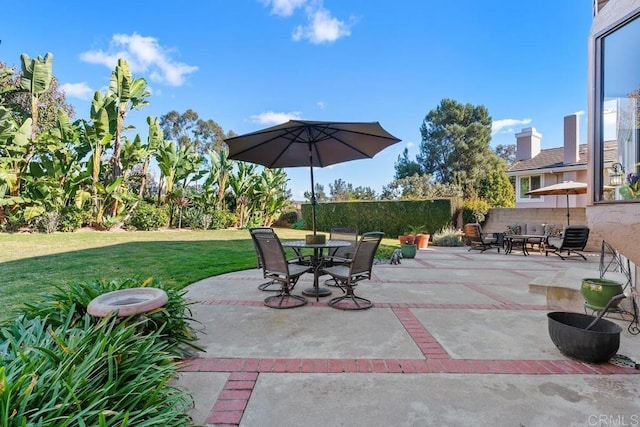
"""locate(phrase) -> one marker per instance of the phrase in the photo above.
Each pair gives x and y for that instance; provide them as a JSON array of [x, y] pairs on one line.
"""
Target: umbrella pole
[[313, 193], [568, 209]]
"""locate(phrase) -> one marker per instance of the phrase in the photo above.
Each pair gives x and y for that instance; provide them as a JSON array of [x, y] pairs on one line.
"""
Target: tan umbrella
[[562, 188], [312, 144]]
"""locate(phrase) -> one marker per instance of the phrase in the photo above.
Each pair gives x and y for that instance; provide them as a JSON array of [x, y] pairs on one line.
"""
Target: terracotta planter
[[598, 292], [422, 240]]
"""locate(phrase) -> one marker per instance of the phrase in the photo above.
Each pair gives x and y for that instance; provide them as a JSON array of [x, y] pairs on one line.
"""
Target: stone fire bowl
[[127, 302]]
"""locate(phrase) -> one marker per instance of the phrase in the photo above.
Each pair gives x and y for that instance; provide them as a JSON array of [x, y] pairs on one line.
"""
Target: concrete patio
[[454, 338]]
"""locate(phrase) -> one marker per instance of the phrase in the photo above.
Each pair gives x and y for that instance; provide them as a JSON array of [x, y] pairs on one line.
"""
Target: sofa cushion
[[535, 229]]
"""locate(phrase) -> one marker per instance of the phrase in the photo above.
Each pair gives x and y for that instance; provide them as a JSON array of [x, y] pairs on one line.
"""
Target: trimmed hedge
[[393, 217]]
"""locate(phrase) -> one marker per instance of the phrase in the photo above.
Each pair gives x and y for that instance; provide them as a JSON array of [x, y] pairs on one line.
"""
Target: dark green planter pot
[[408, 250], [598, 292]]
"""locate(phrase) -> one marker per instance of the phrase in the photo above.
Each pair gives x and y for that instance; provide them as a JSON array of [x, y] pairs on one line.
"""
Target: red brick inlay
[[233, 399], [427, 344]]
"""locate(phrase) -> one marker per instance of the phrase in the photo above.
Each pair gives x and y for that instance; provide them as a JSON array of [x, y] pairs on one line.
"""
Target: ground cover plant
[[61, 366]]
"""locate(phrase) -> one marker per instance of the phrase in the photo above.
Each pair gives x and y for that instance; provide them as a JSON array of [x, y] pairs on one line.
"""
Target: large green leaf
[[33, 212], [36, 73]]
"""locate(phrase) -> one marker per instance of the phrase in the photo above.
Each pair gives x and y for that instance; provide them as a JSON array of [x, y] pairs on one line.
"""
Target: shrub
[[71, 218], [222, 219], [174, 317], [48, 222], [475, 210], [148, 217], [299, 225], [448, 236]]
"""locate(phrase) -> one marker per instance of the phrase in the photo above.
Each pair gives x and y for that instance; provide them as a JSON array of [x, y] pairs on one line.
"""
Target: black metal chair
[[274, 285], [476, 239], [573, 240], [276, 267], [357, 269], [343, 254]]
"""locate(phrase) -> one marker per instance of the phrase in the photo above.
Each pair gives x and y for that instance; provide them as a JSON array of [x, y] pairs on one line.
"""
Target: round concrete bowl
[[596, 345], [127, 302]]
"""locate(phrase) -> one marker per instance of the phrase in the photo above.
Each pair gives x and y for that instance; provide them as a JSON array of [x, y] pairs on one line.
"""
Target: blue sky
[[249, 64]]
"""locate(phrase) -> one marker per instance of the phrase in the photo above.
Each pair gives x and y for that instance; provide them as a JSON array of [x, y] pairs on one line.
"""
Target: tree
[[405, 167], [419, 187], [187, 129], [455, 144], [495, 187], [340, 190], [320, 194], [507, 153]]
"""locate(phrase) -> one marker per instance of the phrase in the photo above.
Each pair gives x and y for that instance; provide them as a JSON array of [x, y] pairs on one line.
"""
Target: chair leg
[[284, 299], [267, 285], [349, 301]]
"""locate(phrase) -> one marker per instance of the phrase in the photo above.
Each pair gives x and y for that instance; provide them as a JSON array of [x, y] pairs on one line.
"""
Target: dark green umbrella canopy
[[310, 143]]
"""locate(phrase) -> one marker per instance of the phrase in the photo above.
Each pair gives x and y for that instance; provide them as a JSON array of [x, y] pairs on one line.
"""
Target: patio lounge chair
[[574, 239], [276, 267], [476, 239], [357, 269]]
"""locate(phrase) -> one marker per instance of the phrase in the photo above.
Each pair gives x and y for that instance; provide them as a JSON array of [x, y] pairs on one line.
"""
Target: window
[[617, 140], [528, 183]]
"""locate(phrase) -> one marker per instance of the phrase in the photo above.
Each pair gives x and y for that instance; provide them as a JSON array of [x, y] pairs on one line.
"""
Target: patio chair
[[341, 255], [276, 267], [476, 239], [273, 285], [357, 269], [573, 240]]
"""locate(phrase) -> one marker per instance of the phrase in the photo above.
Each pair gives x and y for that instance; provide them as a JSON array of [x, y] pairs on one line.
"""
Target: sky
[[250, 64]]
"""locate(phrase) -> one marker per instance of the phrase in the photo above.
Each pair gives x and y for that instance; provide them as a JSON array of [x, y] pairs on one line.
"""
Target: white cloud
[[322, 27], [507, 125], [78, 90], [321, 105], [579, 113], [283, 7], [273, 118], [410, 145], [144, 55]]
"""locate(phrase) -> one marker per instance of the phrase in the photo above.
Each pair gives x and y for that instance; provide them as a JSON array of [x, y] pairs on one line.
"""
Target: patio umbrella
[[562, 188], [312, 144]]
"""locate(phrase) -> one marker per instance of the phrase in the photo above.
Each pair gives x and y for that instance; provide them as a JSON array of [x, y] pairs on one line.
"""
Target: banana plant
[[36, 79], [241, 183], [221, 168], [129, 94]]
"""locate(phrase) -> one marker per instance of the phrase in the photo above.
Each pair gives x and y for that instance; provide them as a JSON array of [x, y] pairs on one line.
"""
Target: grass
[[31, 264]]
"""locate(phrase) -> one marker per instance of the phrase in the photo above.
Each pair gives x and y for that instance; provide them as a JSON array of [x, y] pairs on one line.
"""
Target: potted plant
[[408, 246], [422, 236]]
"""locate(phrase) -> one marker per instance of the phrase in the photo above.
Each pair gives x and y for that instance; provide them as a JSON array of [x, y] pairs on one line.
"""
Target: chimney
[[571, 136], [527, 144]]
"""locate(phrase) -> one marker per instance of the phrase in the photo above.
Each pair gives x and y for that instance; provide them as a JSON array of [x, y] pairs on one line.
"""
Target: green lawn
[[34, 263]]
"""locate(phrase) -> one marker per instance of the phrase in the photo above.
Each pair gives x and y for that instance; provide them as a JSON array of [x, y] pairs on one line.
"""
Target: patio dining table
[[316, 261]]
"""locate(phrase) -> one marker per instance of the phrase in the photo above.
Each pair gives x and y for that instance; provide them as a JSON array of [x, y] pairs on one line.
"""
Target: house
[[536, 168]]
